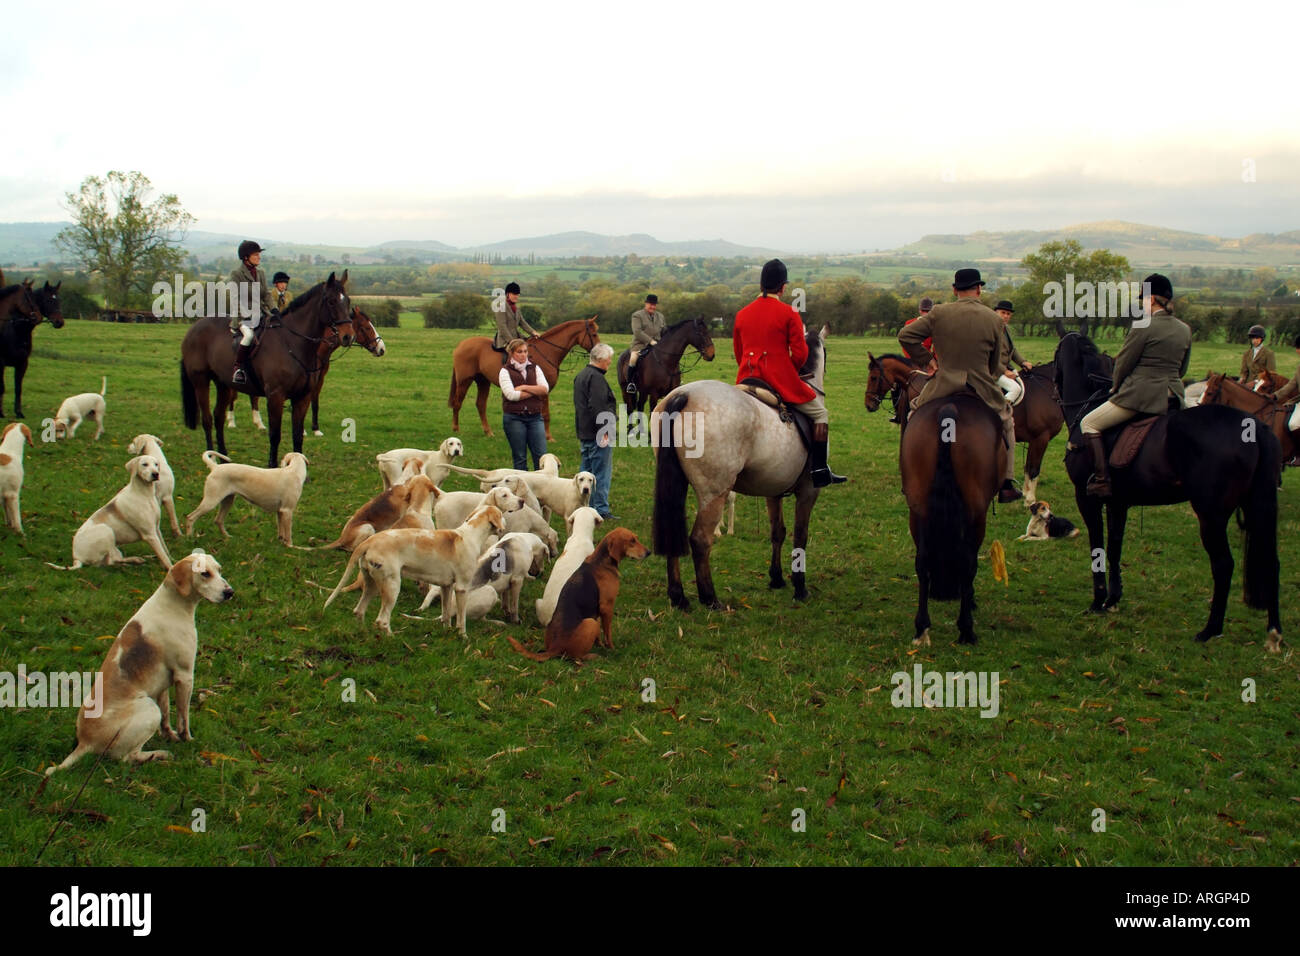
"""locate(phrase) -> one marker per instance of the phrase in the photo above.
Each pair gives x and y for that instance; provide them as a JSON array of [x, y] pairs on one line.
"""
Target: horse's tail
[[945, 533], [668, 520], [1259, 576], [451, 396], [189, 400]]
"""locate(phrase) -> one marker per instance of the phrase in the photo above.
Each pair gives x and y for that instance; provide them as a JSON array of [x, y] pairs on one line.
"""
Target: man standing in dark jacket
[[595, 418]]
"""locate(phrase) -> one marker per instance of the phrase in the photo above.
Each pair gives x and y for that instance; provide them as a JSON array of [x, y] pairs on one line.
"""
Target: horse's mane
[[815, 349], [303, 298], [898, 358], [677, 325]]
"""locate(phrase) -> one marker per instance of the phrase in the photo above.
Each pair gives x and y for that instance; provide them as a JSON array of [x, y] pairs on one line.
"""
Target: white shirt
[[508, 389]]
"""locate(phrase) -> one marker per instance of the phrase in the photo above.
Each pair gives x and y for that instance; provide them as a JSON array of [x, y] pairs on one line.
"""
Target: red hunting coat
[[768, 338]]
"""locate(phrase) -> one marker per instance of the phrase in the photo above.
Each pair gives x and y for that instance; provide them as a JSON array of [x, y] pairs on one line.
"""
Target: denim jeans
[[599, 461], [525, 433]]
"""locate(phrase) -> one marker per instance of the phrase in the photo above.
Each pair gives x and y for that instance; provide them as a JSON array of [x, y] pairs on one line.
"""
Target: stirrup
[[1098, 487], [821, 477], [239, 378]]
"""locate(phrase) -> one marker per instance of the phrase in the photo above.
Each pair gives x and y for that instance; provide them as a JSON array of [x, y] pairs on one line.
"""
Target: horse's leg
[[966, 616], [701, 543], [275, 411], [203, 397], [226, 396], [300, 407], [20, 369], [256, 415], [921, 634], [775, 579], [1214, 536], [315, 408], [1116, 518], [676, 594], [1090, 509], [804, 500], [480, 401], [1034, 465], [2, 389]]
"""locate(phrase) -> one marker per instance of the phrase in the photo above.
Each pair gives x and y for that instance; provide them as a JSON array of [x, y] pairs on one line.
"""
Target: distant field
[[763, 716]]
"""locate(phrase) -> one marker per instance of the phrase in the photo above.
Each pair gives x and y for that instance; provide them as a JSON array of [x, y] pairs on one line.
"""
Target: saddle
[[758, 389], [1126, 441]]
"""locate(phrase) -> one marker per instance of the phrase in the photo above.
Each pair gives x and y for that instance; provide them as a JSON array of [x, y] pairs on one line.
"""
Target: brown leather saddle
[[758, 389]]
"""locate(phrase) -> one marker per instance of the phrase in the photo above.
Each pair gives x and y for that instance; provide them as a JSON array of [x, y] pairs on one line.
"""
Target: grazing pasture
[[317, 741]]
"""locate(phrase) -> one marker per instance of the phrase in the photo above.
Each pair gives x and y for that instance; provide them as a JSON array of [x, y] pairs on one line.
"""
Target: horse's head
[[878, 384], [700, 338], [47, 303], [335, 308], [814, 367], [590, 338], [367, 337], [1213, 388], [24, 305]]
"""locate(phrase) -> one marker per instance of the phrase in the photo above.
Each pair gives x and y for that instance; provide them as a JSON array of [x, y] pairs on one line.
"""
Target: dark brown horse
[[1222, 390], [1204, 455], [1038, 416], [284, 366], [21, 309], [951, 456], [366, 337], [659, 367], [475, 361]]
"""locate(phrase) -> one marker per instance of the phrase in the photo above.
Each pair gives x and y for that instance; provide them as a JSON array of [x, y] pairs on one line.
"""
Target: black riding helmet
[[280, 277], [774, 276], [247, 248], [1256, 332]]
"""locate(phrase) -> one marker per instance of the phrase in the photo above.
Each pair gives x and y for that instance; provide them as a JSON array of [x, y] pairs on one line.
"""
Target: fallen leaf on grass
[[175, 829], [667, 844], [539, 841]]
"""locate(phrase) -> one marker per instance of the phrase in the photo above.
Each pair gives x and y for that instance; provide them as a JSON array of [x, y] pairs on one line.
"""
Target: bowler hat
[[652, 299], [1004, 306], [966, 279], [927, 304], [774, 276], [512, 287], [1159, 285]]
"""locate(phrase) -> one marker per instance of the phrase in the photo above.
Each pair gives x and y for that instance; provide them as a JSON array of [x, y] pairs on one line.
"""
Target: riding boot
[[241, 359], [631, 388], [1099, 483], [821, 473]]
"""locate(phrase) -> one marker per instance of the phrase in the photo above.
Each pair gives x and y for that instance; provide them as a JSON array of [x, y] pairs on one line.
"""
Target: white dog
[[77, 409], [132, 515], [276, 490], [453, 507], [576, 550], [165, 487], [436, 462], [152, 654], [502, 571], [548, 464], [11, 470]]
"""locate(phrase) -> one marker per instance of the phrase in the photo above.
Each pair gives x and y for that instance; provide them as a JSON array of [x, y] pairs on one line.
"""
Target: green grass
[[761, 711]]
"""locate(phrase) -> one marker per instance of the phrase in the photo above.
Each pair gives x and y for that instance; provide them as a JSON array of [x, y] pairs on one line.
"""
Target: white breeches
[[1013, 388], [246, 333], [1293, 422]]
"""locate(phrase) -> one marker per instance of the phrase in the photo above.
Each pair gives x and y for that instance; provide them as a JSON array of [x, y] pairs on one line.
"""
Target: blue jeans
[[525, 433], [599, 461]]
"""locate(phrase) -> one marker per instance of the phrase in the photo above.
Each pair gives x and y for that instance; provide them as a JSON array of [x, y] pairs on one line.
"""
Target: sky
[[807, 126]]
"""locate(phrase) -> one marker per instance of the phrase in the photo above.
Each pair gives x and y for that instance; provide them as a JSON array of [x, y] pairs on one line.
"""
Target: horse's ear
[[330, 280], [822, 333], [56, 288], [344, 281], [870, 358], [1060, 329]]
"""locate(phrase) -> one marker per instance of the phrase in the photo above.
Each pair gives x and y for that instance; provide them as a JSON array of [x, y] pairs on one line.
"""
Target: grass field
[[760, 713]]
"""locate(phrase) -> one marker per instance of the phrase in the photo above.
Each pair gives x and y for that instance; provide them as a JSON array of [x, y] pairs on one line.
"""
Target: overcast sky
[[802, 126]]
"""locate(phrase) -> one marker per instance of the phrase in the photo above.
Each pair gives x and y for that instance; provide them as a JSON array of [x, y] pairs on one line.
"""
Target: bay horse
[[716, 438], [1266, 383], [1202, 455], [22, 308], [366, 336], [475, 361], [951, 457], [1222, 390], [1038, 417], [284, 366], [659, 368]]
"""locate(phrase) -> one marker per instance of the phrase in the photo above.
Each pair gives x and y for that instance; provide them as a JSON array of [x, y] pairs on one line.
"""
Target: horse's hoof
[[1096, 608], [775, 583], [1273, 643], [716, 605], [318, 433], [1205, 635], [922, 639], [681, 603], [970, 638], [801, 594]]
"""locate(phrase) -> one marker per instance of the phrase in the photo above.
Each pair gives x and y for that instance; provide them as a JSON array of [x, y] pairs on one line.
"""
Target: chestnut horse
[[284, 366], [22, 308], [475, 361], [1266, 383], [659, 367], [366, 337], [1038, 417], [1222, 390]]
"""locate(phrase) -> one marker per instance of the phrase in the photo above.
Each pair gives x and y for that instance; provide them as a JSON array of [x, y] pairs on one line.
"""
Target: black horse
[[1204, 455], [27, 308], [659, 367]]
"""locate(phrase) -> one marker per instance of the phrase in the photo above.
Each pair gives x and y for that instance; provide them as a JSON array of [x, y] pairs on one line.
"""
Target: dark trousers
[[525, 433]]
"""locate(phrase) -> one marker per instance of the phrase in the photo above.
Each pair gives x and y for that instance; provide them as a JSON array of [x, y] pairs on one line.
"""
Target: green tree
[[119, 234], [1053, 263]]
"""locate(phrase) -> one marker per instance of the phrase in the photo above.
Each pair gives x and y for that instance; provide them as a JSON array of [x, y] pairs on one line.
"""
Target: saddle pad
[[1130, 440], [761, 391]]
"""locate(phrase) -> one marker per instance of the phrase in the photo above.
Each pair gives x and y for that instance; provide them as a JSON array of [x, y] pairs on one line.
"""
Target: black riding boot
[[241, 359], [821, 473], [1099, 483], [631, 388]]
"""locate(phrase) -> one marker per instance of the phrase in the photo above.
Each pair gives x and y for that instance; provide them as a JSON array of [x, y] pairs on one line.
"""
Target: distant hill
[[1141, 244], [571, 244]]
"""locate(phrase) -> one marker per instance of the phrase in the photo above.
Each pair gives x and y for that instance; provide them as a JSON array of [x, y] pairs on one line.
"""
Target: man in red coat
[[768, 338]]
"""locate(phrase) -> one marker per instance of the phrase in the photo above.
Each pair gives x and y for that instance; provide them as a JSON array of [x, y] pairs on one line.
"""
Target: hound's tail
[[668, 520], [213, 459], [531, 655], [72, 567], [476, 472], [347, 571], [103, 388], [946, 532]]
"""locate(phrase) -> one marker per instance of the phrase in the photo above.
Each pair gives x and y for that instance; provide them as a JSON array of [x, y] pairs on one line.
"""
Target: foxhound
[[11, 470], [77, 408], [165, 487], [132, 515], [436, 462], [276, 490]]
